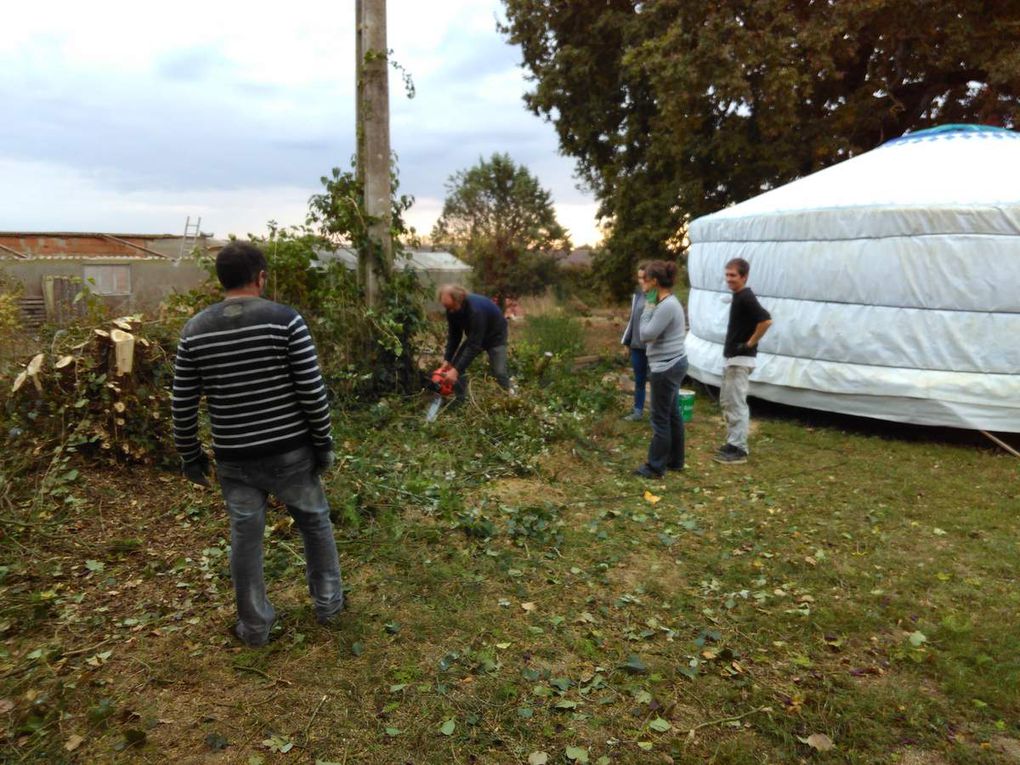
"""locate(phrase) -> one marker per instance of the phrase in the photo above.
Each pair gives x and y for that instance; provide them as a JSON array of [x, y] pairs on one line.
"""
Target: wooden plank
[[126, 243], [15, 253]]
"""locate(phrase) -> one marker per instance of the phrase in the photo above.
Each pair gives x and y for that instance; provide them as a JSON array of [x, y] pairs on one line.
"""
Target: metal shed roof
[[419, 260]]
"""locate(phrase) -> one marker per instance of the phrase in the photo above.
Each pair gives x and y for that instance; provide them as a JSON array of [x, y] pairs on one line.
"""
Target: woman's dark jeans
[[667, 447]]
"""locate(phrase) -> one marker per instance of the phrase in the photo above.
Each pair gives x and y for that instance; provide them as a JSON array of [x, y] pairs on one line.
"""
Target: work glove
[[324, 460], [198, 470]]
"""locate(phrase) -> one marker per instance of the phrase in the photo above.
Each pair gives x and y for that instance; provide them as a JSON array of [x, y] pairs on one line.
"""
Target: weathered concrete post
[[359, 90], [373, 141]]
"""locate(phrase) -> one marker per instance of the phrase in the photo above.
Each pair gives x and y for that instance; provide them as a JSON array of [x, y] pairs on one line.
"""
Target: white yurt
[[893, 280]]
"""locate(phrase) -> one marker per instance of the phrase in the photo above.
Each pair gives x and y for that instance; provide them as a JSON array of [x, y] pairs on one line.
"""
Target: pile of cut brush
[[101, 392]]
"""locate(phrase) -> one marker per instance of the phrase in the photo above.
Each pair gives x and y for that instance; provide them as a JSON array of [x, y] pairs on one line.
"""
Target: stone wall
[[151, 279]]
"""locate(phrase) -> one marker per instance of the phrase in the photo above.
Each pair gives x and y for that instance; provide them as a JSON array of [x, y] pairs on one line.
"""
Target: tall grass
[[554, 333]]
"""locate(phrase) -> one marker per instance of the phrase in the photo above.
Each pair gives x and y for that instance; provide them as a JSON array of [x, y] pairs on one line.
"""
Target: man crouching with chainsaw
[[480, 324]]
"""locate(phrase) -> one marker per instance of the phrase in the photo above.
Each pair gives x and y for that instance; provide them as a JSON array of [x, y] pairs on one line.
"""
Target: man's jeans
[[246, 486], [498, 367], [667, 447], [733, 399], [639, 362]]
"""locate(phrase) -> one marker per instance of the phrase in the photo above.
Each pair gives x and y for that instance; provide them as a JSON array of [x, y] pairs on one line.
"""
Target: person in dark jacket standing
[[749, 321], [255, 362], [474, 324], [632, 339]]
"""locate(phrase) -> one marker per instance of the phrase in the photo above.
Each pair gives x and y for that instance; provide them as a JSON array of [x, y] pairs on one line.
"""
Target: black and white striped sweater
[[256, 364]]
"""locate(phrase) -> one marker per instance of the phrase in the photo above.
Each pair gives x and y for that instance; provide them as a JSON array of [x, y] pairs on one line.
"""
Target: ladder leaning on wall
[[191, 235]]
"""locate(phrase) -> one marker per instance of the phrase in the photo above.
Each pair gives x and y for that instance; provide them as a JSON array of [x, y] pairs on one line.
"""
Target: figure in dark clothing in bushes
[[475, 324], [632, 339], [255, 362]]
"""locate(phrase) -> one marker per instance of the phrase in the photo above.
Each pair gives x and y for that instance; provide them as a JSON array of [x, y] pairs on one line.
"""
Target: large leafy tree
[[500, 220], [675, 108]]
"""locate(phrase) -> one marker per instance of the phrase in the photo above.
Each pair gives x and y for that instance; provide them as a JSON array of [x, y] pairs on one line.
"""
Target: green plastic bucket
[[685, 404]]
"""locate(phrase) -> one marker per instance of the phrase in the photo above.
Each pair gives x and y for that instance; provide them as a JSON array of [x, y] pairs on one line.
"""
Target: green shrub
[[554, 333], [580, 283]]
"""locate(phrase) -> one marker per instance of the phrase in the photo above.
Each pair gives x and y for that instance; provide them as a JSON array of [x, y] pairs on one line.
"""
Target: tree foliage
[[10, 315], [500, 220], [381, 336], [675, 109], [338, 214]]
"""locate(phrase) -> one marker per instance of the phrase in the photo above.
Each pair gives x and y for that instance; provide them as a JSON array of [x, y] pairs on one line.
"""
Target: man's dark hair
[[742, 266], [662, 272], [239, 264]]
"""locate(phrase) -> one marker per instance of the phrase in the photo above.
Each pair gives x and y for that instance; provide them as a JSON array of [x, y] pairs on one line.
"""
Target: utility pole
[[373, 141], [359, 93]]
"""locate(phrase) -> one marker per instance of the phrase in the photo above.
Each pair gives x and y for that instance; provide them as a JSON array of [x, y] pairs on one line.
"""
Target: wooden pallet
[[33, 312]]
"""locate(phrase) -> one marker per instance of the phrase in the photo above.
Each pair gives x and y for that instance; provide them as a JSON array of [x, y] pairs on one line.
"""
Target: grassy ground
[[849, 595]]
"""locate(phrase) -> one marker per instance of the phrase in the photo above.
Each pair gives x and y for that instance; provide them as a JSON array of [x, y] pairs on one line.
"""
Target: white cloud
[[579, 221], [35, 190], [121, 113]]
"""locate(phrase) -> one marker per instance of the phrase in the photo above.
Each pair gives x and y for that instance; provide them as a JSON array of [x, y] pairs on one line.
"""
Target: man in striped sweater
[[255, 362]]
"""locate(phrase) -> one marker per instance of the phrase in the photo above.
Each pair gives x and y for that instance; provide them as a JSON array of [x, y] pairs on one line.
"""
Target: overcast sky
[[129, 117]]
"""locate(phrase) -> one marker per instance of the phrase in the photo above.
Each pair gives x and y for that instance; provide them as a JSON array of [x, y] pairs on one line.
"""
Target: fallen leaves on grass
[[216, 742], [634, 665], [818, 741], [278, 744]]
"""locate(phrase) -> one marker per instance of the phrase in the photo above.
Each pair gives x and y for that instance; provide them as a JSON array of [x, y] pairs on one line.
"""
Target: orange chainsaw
[[442, 387]]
